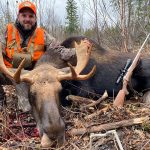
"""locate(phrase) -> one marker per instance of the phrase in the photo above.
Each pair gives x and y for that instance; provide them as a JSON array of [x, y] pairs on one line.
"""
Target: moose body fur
[[109, 64]]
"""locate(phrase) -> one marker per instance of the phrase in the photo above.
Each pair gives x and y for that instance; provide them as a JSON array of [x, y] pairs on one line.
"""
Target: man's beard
[[27, 27], [25, 31]]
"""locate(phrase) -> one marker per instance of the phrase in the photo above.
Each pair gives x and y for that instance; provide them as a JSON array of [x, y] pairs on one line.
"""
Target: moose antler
[[6, 71], [83, 51]]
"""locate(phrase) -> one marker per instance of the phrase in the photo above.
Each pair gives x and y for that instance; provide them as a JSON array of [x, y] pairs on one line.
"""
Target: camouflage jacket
[[58, 52]]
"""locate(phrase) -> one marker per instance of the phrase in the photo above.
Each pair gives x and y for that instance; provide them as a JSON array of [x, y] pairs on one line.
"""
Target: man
[[25, 39]]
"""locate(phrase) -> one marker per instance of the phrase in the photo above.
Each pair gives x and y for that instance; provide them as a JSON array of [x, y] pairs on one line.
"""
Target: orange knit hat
[[27, 4]]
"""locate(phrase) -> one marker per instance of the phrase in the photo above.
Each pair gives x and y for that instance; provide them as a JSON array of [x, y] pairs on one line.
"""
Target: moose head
[[44, 87]]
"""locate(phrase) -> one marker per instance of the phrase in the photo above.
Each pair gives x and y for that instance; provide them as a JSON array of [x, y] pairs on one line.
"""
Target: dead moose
[[43, 86], [109, 65], [41, 83]]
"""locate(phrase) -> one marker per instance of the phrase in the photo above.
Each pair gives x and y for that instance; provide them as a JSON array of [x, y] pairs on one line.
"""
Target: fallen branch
[[23, 125], [109, 126], [104, 96], [3, 148], [79, 99], [97, 112], [75, 146]]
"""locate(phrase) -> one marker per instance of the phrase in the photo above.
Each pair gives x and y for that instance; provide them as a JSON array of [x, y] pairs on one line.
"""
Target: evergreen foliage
[[72, 24]]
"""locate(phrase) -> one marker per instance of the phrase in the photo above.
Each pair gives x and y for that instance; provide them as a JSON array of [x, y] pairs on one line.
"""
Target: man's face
[[27, 18]]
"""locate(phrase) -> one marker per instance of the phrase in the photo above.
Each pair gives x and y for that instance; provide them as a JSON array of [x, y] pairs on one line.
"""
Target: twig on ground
[[98, 112], [104, 96], [75, 146], [145, 144], [109, 126], [11, 131], [79, 99]]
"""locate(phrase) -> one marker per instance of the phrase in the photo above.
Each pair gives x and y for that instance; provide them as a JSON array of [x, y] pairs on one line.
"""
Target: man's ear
[[17, 16]]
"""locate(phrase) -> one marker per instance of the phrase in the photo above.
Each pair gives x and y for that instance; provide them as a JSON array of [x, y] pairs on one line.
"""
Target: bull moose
[[45, 101], [43, 86], [109, 64]]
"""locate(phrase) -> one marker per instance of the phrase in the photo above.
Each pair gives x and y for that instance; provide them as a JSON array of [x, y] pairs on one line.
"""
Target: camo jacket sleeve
[[50, 44], [3, 39], [65, 54]]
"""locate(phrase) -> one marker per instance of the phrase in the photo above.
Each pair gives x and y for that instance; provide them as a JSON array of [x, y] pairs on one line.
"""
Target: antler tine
[[83, 51], [17, 74], [83, 54], [26, 77]]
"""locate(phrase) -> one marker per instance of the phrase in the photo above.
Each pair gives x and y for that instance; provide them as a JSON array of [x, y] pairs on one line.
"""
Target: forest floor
[[84, 125]]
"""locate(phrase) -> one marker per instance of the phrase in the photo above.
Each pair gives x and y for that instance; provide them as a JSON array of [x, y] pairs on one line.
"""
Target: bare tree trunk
[[123, 25], [81, 15], [96, 21], [130, 43]]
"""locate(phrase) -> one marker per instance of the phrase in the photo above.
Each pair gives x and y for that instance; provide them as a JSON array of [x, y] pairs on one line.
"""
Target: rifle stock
[[119, 100]]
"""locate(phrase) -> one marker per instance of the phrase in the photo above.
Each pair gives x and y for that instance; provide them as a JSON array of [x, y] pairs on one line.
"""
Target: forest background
[[115, 24]]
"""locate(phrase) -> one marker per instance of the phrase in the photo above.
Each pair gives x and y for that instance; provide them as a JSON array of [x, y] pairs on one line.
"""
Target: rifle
[[123, 71], [119, 100]]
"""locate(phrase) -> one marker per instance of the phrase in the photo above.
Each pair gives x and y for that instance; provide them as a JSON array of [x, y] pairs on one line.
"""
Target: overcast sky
[[59, 9], [60, 6]]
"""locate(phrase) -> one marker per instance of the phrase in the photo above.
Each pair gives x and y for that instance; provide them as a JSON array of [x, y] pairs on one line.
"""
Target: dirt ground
[[132, 124]]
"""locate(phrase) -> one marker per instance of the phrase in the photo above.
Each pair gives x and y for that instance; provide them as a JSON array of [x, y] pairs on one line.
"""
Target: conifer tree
[[72, 24]]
